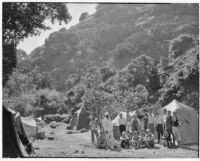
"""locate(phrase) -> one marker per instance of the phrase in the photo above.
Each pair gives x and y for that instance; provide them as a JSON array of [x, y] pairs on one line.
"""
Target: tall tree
[[22, 19]]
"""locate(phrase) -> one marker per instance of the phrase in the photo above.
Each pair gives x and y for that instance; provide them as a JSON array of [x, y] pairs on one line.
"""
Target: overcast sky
[[75, 9]]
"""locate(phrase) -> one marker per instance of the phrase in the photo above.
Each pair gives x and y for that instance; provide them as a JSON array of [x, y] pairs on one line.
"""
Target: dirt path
[[78, 145]]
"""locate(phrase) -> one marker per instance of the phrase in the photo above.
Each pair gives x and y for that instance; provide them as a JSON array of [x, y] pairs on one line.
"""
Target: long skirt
[[176, 133]]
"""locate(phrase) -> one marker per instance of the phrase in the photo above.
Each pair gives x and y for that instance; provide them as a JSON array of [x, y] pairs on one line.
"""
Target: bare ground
[[79, 145]]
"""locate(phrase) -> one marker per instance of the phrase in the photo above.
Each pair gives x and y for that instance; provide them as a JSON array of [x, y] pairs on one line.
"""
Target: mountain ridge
[[113, 36]]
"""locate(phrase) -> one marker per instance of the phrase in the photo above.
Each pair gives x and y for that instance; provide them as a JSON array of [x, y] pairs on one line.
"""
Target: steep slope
[[114, 35]]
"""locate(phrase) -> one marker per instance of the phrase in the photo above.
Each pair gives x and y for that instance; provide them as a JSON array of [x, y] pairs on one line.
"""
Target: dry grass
[[79, 145]]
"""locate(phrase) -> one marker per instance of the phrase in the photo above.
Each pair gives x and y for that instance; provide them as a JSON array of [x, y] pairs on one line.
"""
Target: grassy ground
[[79, 145]]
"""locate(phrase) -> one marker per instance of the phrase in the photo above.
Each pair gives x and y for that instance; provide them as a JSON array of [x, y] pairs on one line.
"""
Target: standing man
[[164, 117], [151, 121], [169, 123], [94, 129], [145, 120], [122, 123], [159, 125], [135, 124], [128, 122]]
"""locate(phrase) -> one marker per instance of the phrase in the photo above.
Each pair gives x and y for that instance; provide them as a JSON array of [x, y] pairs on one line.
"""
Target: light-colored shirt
[[93, 125], [122, 121], [107, 124], [164, 117], [158, 120], [151, 119]]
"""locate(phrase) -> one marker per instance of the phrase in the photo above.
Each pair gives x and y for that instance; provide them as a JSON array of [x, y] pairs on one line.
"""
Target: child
[[149, 139], [166, 139], [142, 137], [94, 129], [124, 140], [135, 139]]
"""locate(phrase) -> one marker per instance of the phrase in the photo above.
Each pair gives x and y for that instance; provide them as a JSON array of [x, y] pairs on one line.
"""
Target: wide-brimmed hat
[[106, 113]]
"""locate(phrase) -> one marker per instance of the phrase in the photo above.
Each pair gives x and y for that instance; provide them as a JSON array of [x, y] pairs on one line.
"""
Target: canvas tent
[[189, 129], [30, 126], [80, 119], [15, 141], [115, 123]]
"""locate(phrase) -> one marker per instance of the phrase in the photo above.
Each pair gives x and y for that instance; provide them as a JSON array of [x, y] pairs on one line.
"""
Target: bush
[[49, 102], [56, 117]]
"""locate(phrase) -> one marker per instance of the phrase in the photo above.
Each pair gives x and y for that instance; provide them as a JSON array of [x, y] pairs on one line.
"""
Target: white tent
[[190, 127], [30, 126]]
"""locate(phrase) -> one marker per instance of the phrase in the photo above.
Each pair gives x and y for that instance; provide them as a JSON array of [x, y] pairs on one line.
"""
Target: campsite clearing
[[79, 145]]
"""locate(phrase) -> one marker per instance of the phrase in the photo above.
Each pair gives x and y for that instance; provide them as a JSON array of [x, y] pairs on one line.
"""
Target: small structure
[[30, 126], [80, 119]]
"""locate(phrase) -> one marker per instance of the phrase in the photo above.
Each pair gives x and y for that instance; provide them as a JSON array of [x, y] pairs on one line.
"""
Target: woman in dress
[[176, 128]]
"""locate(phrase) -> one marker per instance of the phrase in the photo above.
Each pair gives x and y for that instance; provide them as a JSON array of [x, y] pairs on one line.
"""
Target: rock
[[83, 152], [68, 128], [83, 130], [69, 132], [41, 135], [52, 132], [50, 137], [76, 151], [36, 148]]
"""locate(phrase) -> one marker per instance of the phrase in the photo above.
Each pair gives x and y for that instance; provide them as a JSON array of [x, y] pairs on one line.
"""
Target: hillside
[[113, 36]]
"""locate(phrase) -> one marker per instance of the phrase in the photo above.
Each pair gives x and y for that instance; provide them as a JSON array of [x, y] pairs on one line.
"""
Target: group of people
[[137, 131]]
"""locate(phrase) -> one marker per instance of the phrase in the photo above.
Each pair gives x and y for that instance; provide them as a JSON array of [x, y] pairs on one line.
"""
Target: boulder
[[69, 132], [50, 137], [83, 130], [41, 135]]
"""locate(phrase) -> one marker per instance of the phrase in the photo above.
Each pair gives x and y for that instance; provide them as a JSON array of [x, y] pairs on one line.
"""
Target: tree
[[163, 62], [140, 69], [22, 19], [181, 44], [96, 101], [83, 16], [49, 102]]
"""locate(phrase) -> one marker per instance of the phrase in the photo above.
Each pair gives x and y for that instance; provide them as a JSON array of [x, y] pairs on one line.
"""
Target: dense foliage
[[22, 19], [115, 34], [114, 60]]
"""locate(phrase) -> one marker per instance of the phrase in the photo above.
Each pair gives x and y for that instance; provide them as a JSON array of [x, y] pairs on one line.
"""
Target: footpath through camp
[[79, 145]]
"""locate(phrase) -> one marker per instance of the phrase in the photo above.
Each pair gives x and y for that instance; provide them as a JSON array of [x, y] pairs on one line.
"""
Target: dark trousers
[[159, 130], [125, 144], [94, 132], [122, 128], [169, 130]]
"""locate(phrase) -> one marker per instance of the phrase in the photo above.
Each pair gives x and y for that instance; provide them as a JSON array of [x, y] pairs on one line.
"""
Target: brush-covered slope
[[114, 35]]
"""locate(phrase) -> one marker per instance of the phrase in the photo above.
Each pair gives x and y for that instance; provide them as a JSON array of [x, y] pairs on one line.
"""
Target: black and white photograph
[[100, 80]]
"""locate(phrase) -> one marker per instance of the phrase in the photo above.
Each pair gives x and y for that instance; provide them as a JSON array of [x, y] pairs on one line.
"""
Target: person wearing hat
[[122, 123], [108, 127], [159, 125], [94, 128]]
